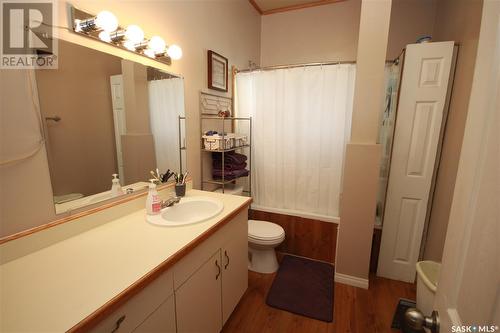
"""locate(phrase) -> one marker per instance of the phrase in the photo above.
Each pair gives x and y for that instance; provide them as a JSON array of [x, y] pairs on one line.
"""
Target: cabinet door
[[235, 269], [198, 300], [135, 311], [161, 320]]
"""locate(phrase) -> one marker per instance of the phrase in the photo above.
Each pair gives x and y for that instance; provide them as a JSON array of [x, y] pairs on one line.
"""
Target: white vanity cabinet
[[162, 320], [206, 296], [197, 294], [141, 307], [234, 270], [198, 300]]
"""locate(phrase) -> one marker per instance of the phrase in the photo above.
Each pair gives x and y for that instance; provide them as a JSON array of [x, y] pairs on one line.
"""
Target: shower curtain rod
[[310, 64]]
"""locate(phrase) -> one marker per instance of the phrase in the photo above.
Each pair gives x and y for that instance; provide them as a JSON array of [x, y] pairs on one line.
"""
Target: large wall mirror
[[103, 115]]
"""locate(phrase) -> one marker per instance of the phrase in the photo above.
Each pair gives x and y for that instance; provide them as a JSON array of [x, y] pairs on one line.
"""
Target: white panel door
[[420, 112], [118, 103], [468, 292]]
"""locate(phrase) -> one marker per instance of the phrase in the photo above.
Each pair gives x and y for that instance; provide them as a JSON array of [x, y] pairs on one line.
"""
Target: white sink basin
[[188, 211]]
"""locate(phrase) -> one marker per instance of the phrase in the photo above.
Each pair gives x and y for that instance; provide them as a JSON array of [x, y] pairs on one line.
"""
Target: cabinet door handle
[[118, 323], [227, 257], [218, 269]]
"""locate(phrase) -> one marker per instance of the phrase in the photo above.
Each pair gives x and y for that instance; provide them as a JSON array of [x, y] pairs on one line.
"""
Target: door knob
[[415, 320]]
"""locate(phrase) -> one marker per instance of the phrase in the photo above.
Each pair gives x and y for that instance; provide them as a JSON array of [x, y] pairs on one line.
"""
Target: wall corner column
[[362, 160]]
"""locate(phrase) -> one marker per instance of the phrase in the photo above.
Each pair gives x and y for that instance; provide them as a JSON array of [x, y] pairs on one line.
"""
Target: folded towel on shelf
[[228, 166], [229, 175], [230, 156]]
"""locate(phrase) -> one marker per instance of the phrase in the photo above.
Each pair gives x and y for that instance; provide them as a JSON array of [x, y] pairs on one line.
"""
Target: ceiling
[[266, 7]]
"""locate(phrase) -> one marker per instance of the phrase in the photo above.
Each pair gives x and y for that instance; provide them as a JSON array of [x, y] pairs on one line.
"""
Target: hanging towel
[[229, 166], [230, 157]]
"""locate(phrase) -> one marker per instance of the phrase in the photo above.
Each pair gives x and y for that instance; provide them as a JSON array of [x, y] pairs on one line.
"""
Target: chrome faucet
[[170, 202]]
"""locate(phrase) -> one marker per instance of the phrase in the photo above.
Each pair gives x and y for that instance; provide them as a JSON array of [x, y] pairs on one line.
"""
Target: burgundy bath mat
[[304, 287]]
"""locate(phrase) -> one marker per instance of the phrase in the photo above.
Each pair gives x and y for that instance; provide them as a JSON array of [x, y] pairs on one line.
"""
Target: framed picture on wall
[[217, 71]]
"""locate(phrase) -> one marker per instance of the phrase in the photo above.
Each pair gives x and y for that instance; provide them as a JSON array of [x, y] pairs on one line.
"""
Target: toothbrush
[[166, 176], [154, 176], [185, 177], [169, 174]]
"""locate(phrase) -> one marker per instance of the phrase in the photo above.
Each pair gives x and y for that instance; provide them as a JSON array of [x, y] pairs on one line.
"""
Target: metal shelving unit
[[223, 182]]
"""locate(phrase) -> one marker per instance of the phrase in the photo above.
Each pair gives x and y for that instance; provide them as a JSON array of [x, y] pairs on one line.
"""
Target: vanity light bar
[[104, 21], [104, 27]]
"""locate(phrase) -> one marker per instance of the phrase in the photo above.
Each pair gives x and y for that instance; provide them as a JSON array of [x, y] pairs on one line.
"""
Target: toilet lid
[[264, 230]]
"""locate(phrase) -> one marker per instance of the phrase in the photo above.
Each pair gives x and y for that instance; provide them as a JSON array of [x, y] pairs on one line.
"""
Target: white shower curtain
[[166, 104], [301, 123]]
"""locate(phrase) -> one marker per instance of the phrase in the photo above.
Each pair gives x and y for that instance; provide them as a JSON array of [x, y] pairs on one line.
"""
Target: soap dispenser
[[153, 202], [116, 188]]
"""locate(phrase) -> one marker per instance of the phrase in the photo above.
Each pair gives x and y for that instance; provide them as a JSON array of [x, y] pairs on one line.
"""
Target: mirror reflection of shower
[[393, 72]]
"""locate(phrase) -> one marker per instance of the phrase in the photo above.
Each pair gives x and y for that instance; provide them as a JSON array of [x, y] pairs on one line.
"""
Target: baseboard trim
[[351, 280]]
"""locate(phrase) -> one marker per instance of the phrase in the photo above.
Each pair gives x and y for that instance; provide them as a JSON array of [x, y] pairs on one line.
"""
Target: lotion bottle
[[153, 202], [116, 188]]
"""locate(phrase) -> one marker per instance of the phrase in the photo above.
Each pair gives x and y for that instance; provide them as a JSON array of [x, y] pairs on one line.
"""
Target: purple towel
[[230, 157], [229, 175], [229, 166]]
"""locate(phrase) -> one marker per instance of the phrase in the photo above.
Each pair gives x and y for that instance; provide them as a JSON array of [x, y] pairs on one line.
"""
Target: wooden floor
[[356, 310]]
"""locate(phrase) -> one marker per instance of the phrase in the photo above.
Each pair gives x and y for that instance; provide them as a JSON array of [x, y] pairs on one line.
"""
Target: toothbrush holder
[[180, 190]]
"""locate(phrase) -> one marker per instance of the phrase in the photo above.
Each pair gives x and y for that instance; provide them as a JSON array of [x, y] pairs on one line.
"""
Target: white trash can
[[427, 279]]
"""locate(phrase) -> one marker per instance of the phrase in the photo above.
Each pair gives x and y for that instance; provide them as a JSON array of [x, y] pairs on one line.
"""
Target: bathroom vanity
[[127, 275]]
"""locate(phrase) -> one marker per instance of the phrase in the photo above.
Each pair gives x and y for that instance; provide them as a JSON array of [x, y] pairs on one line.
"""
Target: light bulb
[[129, 45], [106, 21], [134, 33], [78, 27], [157, 44], [104, 36], [174, 52], [149, 52]]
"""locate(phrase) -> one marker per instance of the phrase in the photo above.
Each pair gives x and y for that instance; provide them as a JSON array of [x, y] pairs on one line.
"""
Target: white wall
[[315, 34], [361, 167], [410, 19], [330, 32], [460, 21]]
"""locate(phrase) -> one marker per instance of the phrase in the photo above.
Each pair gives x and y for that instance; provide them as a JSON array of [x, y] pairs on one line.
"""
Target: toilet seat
[[265, 232]]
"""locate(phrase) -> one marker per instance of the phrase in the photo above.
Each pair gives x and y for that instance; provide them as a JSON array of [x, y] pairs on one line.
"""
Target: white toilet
[[263, 238]]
